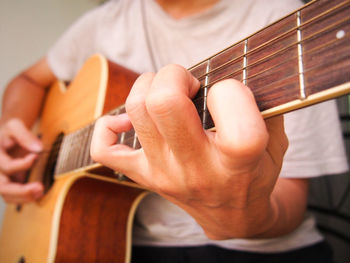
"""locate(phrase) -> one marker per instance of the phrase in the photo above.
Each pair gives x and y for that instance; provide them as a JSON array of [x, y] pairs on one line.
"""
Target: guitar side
[[82, 217]]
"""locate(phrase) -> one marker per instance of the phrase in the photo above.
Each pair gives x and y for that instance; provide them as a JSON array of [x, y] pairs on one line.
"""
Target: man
[[229, 199]]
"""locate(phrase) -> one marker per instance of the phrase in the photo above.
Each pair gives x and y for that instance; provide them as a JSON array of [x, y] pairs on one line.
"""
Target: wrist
[[220, 223]]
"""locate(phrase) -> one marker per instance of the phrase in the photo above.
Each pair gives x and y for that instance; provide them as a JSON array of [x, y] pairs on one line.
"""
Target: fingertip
[[228, 85], [194, 87], [35, 190], [36, 146]]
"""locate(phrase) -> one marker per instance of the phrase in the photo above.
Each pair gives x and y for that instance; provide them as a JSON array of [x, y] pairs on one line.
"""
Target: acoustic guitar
[[86, 214]]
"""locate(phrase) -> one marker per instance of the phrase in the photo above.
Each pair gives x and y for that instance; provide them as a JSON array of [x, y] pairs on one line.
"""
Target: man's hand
[[15, 137], [223, 179]]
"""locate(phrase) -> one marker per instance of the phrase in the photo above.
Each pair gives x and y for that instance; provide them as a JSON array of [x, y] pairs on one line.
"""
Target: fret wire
[[274, 54], [66, 161], [245, 62], [69, 146], [122, 137], [61, 157], [271, 85], [129, 137], [87, 157], [84, 145], [263, 45], [281, 80], [80, 146], [300, 59], [267, 42], [292, 45], [76, 149], [135, 141], [204, 116]]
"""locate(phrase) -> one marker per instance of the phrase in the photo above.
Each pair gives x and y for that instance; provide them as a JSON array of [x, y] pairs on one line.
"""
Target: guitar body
[[83, 217]]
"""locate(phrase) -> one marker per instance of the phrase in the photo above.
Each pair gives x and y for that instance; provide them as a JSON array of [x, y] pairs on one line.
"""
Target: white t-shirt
[[139, 35]]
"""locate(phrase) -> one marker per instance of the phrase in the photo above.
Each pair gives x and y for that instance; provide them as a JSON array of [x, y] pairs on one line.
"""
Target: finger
[[240, 129], [173, 112], [106, 132], [148, 134], [23, 136], [13, 165], [20, 193], [104, 149], [278, 143]]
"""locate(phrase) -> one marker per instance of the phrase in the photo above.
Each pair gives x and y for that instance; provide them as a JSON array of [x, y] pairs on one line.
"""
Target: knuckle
[[134, 103], [284, 143], [172, 68], [243, 147], [14, 123], [165, 188], [102, 120], [101, 123], [144, 77], [95, 152], [161, 102], [198, 187]]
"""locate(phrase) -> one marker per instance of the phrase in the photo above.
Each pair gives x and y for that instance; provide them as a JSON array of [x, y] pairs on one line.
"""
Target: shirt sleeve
[[79, 42]]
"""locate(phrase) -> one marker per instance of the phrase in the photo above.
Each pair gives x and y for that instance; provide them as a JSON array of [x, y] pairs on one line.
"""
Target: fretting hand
[[223, 179]]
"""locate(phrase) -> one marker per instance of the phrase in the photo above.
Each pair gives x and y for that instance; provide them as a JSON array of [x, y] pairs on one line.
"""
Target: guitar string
[[265, 44], [271, 41], [305, 73], [273, 66], [236, 59], [78, 135], [266, 58], [90, 127], [129, 140], [131, 136]]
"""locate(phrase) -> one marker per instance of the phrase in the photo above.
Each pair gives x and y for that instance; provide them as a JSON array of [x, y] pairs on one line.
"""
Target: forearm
[[24, 95], [289, 200], [22, 99]]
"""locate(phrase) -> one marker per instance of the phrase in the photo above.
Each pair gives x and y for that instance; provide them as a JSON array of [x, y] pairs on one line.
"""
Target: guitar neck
[[302, 59], [299, 60]]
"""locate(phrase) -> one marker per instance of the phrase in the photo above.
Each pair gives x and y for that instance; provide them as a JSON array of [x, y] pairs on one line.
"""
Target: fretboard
[[303, 54], [302, 59]]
